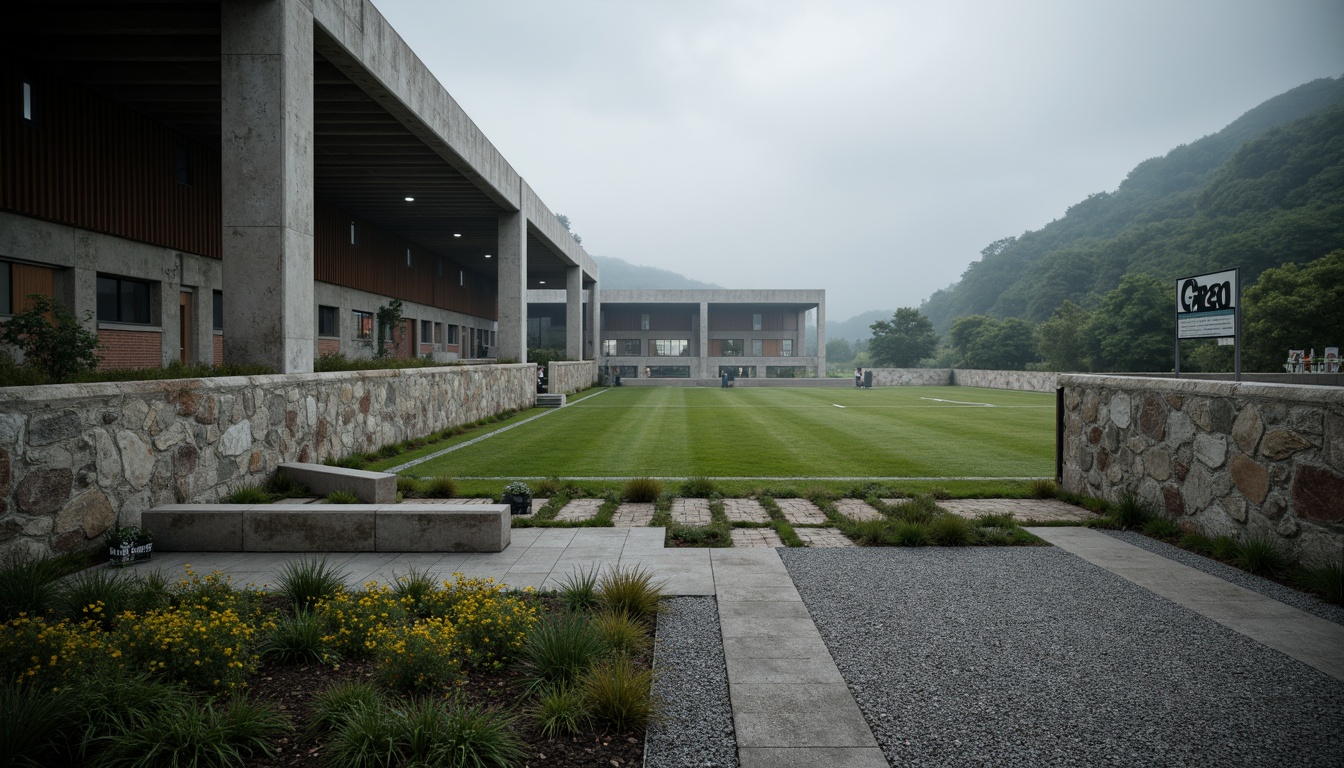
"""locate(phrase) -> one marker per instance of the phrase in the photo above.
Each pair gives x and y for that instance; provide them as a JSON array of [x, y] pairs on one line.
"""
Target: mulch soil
[[291, 689]]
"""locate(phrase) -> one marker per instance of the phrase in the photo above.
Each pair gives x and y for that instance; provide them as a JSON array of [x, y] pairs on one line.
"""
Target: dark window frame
[[328, 321], [123, 303]]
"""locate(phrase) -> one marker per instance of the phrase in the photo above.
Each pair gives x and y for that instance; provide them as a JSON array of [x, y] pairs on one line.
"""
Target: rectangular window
[[121, 300], [461, 277], [631, 348], [217, 300], [328, 321], [644, 322], [757, 348], [669, 372], [452, 335], [30, 103], [427, 332], [6, 290], [408, 257], [609, 347], [352, 233], [670, 347], [363, 325], [731, 347], [756, 322], [786, 350]]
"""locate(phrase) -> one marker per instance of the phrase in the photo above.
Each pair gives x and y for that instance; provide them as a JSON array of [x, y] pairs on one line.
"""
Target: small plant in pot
[[127, 544], [519, 498]]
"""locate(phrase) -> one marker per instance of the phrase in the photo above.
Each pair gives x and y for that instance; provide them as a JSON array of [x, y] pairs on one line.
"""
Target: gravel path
[[691, 677], [1270, 589], [1031, 656]]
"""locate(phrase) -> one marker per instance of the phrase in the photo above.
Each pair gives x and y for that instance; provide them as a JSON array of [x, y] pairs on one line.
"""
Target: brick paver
[[632, 515], [823, 537], [691, 512], [857, 509], [756, 537], [745, 511], [800, 511], [579, 510], [1022, 510]]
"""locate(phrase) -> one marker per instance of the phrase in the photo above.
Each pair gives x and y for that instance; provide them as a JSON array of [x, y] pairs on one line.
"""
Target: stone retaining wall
[[74, 455], [1031, 381], [565, 377], [908, 377], [1219, 457]]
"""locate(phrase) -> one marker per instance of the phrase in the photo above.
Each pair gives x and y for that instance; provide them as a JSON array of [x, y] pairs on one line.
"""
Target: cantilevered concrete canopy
[[382, 127]]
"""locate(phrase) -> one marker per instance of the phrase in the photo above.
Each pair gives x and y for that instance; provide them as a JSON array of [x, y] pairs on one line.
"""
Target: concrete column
[[821, 337], [512, 277], [594, 351], [266, 75], [574, 313], [705, 371]]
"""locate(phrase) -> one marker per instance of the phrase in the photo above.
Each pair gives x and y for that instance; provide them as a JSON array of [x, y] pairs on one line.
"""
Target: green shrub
[[619, 694], [996, 520], [334, 705], [419, 657], [621, 634], [32, 722], [342, 496], [630, 589], [558, 651], [186, 733], [104, 705], [1196, 542], [366, 736], [919, 509], [578, 590], [308, 581], [561, 711], [1042, 489], [1261, 556], [1131, 512], [248, 494], [51, 339], [441, 488], [409, 487], [477, 738], [415, 591], [904, 534], [699, 488], [718, 534], [642, 489], [1325, 579], [388, 452], [149, 592], [28, 585], [549, 487], [939, 492], [296, 639], [1162, 528], [992, 536], [97, 594], [282, 485], [951, 531], [1224, 548]]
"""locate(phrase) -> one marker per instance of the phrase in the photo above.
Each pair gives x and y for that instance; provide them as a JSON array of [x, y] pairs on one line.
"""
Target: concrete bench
[[370, 487], [329, 527]]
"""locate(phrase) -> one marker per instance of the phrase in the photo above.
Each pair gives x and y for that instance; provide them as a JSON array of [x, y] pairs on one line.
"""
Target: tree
[[389, 326], [564, 222], [1293, 307], [1061, 340], [839, 351], [902, 341], [51, 339], [1134, 326], [989, 344]]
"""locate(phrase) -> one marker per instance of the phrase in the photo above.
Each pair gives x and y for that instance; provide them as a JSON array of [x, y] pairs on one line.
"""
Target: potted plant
[[519, 498], [127, 544]]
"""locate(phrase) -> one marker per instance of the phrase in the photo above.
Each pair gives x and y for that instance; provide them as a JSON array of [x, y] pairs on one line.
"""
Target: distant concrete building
[[248, 181], [695, 334]]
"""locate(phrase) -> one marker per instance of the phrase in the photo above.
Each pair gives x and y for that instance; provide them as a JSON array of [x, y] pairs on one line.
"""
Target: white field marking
[[474, 440], [959, 402], [837, 405]]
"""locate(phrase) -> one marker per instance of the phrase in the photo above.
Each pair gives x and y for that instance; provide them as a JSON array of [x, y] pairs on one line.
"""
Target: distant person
[[858, 377], [723, 380]]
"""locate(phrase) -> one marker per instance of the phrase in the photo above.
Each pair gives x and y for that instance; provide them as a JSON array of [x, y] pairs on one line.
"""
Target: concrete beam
[[574, 313], [594, 348], [267, 182], [512, 279]]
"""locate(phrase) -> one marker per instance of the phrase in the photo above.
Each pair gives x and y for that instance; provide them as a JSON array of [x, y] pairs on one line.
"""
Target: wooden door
[[184, 326]]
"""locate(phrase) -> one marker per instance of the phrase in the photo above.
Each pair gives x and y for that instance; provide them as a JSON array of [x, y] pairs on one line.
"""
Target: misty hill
[[1266, 190], [858, 327], [621, 275]]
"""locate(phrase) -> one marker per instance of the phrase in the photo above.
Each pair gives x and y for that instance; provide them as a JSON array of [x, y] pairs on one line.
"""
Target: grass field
[[784, 433]]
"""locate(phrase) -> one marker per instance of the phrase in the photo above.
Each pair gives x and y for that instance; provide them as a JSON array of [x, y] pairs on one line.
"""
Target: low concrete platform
[[370, 487], [329, 527]]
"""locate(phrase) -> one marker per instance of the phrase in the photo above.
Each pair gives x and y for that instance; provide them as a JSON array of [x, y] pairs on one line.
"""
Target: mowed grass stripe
[[778, 432]]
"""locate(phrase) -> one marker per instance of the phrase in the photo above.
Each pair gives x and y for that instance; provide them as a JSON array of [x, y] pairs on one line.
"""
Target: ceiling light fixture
[[410, 199], [487, 255], [543, 282], [457, 234]]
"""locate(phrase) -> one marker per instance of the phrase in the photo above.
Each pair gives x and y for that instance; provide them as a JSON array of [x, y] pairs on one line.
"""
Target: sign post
[[1209, 307]]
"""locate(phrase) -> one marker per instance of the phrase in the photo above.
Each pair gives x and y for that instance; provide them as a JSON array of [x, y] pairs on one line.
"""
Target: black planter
[[518, 505]]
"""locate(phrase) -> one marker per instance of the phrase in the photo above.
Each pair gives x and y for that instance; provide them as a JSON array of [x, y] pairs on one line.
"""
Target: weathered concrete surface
[[136, 445], [370, 487], [1220, 457]]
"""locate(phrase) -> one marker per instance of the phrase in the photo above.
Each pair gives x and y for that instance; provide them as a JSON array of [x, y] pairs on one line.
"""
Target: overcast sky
[[867, 148]]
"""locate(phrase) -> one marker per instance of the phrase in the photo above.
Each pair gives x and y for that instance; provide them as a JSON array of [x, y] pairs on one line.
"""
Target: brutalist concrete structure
[[693, 334], [249, 181]]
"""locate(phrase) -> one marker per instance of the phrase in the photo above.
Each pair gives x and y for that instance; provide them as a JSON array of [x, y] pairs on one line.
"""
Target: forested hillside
[[620, 275], [1266, 190]]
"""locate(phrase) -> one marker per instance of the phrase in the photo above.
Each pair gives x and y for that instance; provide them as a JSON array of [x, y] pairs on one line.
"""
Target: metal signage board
[[1206, 305]]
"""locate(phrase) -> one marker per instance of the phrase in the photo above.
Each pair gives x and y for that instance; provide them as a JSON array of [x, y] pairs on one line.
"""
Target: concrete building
[[249, 181], [695, 334]]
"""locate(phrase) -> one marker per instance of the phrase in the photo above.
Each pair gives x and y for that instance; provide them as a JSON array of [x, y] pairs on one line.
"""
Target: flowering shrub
[[418, 656], [491, 623], [47, 654], [352, 618], [205, 646]]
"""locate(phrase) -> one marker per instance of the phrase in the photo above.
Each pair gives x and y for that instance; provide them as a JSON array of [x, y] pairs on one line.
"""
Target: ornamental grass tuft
[[409, 487], [441, 487], [416, 590], [641, 489], [342, 496], [630, 589], [699, 488], [1162, 528], [578, 590], [1325, 579], [308, 581], [919, 509], [333, 706], [1043, 489], [621, 634], [950, 530], [247, 494], [96, 594], [282, 485], [561, 710], [296, 639], [1131, 512], [558, 651], [28, 585], [188, 734], [32, 722], [1261, 556], [619, 694]]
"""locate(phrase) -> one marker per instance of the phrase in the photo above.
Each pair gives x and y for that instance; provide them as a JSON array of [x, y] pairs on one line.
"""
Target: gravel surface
[[1273, 590], [691, 678], [1031, 656]]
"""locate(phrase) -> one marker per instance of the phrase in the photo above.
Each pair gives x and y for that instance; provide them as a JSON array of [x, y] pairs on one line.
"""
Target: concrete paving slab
[[806, 757], [754, 626], [737, 592], [839, 726], [783, 609], [773, 648], [813, 670], [1309, 639]]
